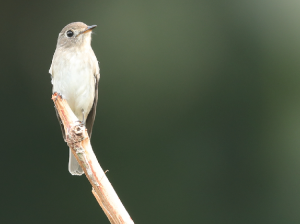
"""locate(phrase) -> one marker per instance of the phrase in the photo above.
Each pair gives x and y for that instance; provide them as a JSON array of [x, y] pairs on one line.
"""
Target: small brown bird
[[75, 75]]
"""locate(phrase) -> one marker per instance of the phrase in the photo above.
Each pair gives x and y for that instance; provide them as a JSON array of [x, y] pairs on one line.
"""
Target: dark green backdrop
[[198, 119]]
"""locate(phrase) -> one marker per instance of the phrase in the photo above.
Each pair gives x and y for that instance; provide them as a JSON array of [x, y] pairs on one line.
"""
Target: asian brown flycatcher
[[75, 75]]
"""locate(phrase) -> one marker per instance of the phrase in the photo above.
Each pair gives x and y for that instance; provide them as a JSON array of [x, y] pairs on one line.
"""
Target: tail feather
[[74, 167]]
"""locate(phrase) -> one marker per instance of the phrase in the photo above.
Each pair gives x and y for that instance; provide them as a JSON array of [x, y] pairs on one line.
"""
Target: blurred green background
[[198, 119]]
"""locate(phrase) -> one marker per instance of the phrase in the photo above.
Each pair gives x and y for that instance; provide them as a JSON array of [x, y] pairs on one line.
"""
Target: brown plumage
[[75, 75]]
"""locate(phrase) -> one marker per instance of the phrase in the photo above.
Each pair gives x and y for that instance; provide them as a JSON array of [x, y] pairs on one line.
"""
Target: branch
[[78, 140]]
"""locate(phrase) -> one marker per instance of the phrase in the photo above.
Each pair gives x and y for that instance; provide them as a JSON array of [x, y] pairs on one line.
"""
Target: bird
[[75, 75]]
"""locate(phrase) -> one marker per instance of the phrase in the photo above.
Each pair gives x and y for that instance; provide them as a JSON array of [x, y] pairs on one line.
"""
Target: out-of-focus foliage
[[198, 118]]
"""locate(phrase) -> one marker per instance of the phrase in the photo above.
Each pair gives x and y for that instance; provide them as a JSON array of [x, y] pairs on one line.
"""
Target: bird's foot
[[57, 95], [83, 120]]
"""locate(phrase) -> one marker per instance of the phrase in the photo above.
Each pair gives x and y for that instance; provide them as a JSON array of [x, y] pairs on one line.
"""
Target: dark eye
[[70, 33]]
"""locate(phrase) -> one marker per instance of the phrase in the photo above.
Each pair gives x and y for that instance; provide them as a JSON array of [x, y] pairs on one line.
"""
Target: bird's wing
[[91, 116]]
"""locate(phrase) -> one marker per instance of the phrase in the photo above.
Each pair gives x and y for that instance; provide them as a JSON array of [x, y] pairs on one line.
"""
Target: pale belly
[[76, 84]]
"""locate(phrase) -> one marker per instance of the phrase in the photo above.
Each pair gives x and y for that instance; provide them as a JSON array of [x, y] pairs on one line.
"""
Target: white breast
[[73, 77]]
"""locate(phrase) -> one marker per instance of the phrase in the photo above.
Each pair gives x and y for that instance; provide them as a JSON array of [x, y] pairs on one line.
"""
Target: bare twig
[[78, 140]]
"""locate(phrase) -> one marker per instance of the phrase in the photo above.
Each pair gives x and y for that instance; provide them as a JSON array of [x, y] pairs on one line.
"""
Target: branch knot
[[75, 134]]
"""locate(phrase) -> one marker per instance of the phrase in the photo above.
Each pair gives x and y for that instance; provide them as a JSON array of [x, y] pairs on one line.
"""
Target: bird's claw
[[57, 95]]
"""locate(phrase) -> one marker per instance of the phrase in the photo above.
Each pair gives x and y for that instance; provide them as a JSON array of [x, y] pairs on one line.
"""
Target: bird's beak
[[88, 29]]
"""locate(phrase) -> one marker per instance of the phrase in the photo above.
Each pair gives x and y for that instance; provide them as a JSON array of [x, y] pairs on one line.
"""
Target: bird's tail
[[74, 167]]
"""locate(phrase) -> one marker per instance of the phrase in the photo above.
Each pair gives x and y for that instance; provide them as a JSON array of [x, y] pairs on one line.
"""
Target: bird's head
[[75, 34]]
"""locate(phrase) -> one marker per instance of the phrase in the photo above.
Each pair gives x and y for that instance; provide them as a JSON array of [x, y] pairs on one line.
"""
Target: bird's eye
[[70, 33]]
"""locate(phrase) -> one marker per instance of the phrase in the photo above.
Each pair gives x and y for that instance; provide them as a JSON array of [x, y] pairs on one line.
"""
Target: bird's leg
[[83, 120], [57, 95]]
